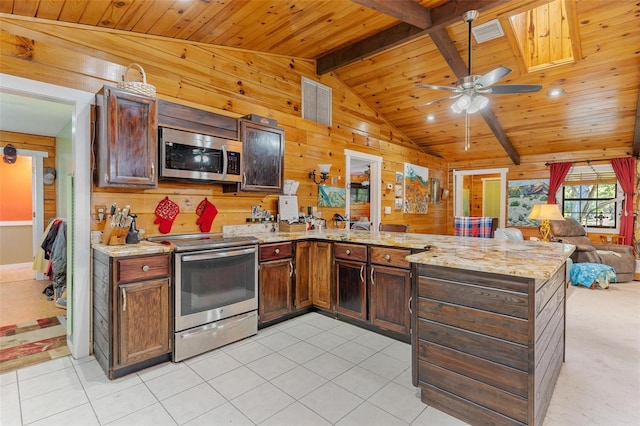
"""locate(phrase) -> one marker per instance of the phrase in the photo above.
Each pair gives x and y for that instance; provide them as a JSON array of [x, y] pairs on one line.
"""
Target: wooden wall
[[226, 81], [37, 143]]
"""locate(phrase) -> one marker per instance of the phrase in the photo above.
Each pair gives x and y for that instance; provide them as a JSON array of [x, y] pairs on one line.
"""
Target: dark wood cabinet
[[351, 280], [313, 274], [322, 278], [390, 289], [303, 275], [126, 139], [488, 348], [132, 315], [275, 280], [262, 160]]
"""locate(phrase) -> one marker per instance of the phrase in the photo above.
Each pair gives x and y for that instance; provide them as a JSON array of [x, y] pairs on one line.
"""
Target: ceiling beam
[[448, 50], [636, 132], [441, 16], [403, 10]]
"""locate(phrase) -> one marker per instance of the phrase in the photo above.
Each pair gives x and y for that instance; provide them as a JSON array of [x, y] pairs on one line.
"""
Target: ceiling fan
[[469, 92]]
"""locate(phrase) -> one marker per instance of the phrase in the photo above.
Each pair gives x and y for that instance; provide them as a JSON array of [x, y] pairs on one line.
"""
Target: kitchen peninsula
[[486, 317]]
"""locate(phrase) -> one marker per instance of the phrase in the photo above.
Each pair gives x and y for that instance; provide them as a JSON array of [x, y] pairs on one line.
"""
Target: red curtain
[[557, 173], [626, 175]]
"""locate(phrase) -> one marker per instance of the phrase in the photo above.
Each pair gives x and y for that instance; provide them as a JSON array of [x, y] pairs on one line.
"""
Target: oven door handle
[[218, 254], [213, 328]]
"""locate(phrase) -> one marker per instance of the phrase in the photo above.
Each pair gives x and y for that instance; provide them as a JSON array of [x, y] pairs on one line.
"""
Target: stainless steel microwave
[[194, 156]]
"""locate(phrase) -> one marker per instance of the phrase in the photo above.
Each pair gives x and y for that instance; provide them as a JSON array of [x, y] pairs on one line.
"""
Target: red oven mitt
[[166, 213], [207, 213]]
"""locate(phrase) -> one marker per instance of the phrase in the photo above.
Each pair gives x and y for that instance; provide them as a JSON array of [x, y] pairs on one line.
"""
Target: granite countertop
[[139, 249], [529, 259]]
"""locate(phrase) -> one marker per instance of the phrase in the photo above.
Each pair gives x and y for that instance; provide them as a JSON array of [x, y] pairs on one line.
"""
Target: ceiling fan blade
[[492, 77], [437, 100], [514, 88], [433, 86]]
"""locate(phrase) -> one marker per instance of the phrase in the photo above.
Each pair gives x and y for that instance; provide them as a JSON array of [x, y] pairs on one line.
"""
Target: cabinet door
[[127, 141], [322, 274], [262, 157], [351, 289], [144, 325], [275, 289], [304, 262], [389, 292]]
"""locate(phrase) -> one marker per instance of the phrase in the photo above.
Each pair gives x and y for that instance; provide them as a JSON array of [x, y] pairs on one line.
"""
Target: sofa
[[619, 257]]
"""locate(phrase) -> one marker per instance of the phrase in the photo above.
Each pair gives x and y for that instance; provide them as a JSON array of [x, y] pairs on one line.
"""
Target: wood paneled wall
[[37, 143], [226, 81]]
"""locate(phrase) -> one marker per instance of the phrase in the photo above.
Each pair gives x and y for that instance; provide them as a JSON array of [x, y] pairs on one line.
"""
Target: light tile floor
[[313, 370]]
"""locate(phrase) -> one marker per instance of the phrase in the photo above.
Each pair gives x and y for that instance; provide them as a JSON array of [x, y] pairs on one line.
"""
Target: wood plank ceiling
[[381, 49]]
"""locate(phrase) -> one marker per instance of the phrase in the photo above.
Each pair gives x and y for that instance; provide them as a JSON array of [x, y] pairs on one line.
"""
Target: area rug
[[32, 342]]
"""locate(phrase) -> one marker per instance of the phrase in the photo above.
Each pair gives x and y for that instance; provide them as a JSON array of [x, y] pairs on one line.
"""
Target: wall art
[[522, 195], [416, 189]]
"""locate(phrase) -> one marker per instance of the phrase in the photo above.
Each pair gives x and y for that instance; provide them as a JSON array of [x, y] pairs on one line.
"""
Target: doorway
[[459, 205], [369, 168], [77, 177]]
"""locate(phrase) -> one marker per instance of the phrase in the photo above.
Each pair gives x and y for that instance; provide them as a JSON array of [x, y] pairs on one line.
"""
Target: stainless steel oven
[[215, 291]]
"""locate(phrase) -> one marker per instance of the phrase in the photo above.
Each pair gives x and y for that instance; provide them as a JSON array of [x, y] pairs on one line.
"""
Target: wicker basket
[[292, 227], [139, 87]]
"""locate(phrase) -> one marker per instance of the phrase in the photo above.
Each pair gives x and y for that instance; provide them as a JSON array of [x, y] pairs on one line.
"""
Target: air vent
[[316, 101], [488, 31]]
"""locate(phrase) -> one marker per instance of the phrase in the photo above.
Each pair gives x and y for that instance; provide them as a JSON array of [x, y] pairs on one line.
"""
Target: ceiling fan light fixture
[[477, 103], [461, 104]]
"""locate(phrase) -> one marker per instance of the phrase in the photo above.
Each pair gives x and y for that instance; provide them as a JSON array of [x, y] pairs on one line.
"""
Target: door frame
[[375, 183], [458, 179], [79, 245]]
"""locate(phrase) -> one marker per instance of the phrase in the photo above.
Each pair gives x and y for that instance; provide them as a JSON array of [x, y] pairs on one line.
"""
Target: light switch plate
[[387, 210]]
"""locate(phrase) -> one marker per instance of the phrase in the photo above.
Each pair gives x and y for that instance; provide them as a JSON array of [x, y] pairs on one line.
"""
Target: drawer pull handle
[[348, 251], [146, 268], [277, 251], [387, 257], [124, 299]]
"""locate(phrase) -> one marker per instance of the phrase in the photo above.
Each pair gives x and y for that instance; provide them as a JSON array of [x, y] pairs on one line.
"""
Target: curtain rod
[[576, 162]]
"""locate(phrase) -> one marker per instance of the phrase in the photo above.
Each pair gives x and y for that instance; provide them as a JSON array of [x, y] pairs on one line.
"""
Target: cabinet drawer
[[390, 257], [142, 268], [350, 251], [274, 251]]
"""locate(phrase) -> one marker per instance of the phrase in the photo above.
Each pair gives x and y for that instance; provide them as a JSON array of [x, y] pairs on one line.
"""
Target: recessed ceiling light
[[431, 117], [555, 92]]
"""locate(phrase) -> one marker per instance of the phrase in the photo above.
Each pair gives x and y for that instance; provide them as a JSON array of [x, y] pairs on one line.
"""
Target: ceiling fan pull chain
[[467, 144]]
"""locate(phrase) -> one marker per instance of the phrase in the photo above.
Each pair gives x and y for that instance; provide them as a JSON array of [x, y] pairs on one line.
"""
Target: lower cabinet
[[275, 279], [390, 289], [351, 280], [132, 315], [303, 294], [321, 278]]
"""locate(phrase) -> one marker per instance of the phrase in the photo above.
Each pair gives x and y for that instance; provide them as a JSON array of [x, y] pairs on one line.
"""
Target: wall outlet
[[100, 213]]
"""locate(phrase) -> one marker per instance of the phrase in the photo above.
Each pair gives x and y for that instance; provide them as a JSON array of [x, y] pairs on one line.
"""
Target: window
[[590, 196]]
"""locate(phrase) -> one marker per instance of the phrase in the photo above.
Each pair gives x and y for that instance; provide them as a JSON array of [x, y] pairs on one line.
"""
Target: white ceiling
[[36, 116]]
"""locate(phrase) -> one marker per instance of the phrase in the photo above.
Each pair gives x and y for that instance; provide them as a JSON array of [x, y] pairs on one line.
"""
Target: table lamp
[[545, 213]]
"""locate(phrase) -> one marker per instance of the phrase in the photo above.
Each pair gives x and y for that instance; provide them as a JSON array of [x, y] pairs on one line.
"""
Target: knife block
[[113, 235]]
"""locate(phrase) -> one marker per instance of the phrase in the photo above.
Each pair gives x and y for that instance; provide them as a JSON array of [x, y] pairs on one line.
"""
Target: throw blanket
[[587, 274], [473, 226]]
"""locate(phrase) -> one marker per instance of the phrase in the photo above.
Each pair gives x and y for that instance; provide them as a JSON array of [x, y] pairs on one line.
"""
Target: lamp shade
[[546, 212], [324, 168]]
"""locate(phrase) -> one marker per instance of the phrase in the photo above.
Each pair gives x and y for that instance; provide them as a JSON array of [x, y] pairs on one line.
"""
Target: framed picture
[[398, 203], [397, 191], [399, 177], [331, 196], [522, 195], [416, 189]]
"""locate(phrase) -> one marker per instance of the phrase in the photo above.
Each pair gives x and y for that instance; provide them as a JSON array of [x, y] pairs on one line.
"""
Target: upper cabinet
[[262, 157], [126, 139]]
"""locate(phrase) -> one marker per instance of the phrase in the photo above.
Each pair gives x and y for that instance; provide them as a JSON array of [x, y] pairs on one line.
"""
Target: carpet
[[32, 342]]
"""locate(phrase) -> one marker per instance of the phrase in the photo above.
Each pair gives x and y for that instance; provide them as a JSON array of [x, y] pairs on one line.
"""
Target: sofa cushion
[[566, 228]]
